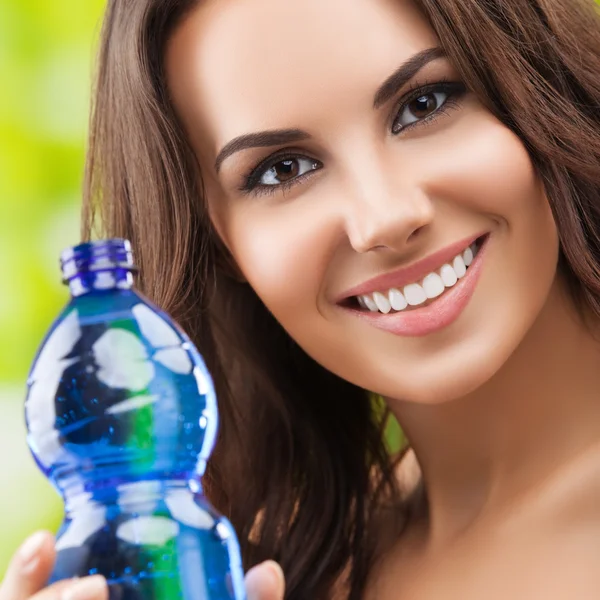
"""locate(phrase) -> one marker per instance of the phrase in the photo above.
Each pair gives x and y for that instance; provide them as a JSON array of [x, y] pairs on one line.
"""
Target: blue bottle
[[121, 417]]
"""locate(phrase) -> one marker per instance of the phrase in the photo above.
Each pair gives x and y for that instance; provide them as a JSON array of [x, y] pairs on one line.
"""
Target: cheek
[[495, 180], [488, 173], [513, 195], [281, 255], [483, 166]]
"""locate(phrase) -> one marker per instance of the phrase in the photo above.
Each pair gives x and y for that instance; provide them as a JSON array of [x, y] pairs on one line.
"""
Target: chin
[[450, 387], [463, 370]]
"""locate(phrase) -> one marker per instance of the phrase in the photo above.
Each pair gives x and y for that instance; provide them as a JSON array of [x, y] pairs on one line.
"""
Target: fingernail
[[29, 551], [89, 588], [277, 573]]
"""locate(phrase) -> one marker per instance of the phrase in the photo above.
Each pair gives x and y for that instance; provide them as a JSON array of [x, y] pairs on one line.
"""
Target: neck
[[536, 416]]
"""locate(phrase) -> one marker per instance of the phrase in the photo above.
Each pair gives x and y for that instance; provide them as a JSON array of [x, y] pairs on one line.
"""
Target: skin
[[501, 406]]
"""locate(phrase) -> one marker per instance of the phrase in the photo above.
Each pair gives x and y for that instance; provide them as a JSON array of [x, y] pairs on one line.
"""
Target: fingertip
[[277, 576], [252, 581], [265, 582], [35, 552], [93, 587]]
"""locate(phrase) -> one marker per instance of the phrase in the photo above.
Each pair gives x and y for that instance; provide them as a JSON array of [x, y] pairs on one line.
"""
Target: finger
[[265, 582], [86, 588], [29, 568]]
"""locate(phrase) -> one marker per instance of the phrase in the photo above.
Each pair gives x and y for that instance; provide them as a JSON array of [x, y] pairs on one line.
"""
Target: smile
[[422, 298], [415, 294]]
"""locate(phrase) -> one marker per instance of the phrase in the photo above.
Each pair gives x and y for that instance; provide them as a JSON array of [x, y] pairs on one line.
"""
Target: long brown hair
[[298, 446]]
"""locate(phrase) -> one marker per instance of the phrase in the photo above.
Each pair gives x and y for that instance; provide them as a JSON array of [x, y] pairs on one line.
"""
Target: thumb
[[265, 582]]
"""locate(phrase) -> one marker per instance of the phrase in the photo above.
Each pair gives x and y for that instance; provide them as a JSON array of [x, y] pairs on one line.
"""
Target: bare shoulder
[[573, 493], [559, 531]]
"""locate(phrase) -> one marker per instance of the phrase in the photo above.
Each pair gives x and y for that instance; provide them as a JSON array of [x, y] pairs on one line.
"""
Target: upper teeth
[[413, 294]]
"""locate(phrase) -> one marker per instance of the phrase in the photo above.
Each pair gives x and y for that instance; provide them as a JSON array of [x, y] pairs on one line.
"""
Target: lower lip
[[435, 316]]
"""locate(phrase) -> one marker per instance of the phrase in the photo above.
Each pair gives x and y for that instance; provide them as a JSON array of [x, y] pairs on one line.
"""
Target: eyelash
[[454, 90]]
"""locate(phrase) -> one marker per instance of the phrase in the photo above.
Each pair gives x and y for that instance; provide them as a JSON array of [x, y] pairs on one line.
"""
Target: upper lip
[[412, 273]]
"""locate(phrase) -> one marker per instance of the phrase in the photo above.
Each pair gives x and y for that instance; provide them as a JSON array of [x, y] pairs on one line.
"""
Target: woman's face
[[348, 170]]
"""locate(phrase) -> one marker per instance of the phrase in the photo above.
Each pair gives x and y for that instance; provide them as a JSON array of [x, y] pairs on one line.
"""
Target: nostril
[[417, 233]]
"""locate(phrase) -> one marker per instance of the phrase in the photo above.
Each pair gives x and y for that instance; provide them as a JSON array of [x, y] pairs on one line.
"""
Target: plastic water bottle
[[121, 417]]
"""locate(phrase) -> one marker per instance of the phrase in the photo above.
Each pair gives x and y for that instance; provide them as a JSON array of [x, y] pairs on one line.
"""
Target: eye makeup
[[452, 91]]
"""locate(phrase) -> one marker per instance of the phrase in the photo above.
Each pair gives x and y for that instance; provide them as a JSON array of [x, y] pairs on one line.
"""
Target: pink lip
[[411, 274], [439, 314]]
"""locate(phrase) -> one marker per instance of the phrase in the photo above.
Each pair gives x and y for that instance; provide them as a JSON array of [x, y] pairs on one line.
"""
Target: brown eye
[[286, 170], [423, 105], [421, 108]]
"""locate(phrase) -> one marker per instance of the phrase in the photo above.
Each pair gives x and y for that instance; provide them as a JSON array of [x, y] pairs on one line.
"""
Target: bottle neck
[[96, 281], [98, 266]]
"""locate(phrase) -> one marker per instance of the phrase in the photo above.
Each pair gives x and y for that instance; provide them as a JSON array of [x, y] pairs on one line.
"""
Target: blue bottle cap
[[103, 255]]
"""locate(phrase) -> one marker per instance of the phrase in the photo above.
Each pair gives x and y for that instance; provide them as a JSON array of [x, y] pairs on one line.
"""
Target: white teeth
[[448, 275], [397, 299], [382, 303], [459, 266], [468, 256], [370, 303], [414, 294], [433, 285]]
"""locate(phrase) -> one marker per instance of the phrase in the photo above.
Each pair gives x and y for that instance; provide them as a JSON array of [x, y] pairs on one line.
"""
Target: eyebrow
[[388, 89], [399, 78], [274, 137]]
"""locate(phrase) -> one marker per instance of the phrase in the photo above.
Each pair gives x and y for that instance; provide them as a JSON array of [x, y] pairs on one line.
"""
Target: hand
[[30, 569], [31, 566]]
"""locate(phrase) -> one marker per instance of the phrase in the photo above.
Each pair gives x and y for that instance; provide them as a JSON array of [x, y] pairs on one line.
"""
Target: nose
[[387, 217]]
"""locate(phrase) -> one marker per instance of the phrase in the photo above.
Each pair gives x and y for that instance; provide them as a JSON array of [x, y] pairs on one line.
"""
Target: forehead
[[235, 66]]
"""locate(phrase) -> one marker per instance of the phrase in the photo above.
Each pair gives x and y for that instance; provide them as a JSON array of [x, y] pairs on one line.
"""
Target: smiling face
[[342, 155]]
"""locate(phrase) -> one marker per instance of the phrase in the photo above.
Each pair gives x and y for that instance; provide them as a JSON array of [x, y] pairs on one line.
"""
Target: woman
[[390, 199]]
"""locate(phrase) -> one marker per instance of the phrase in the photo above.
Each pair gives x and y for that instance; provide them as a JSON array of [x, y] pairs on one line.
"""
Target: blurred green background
[[46, 60]]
